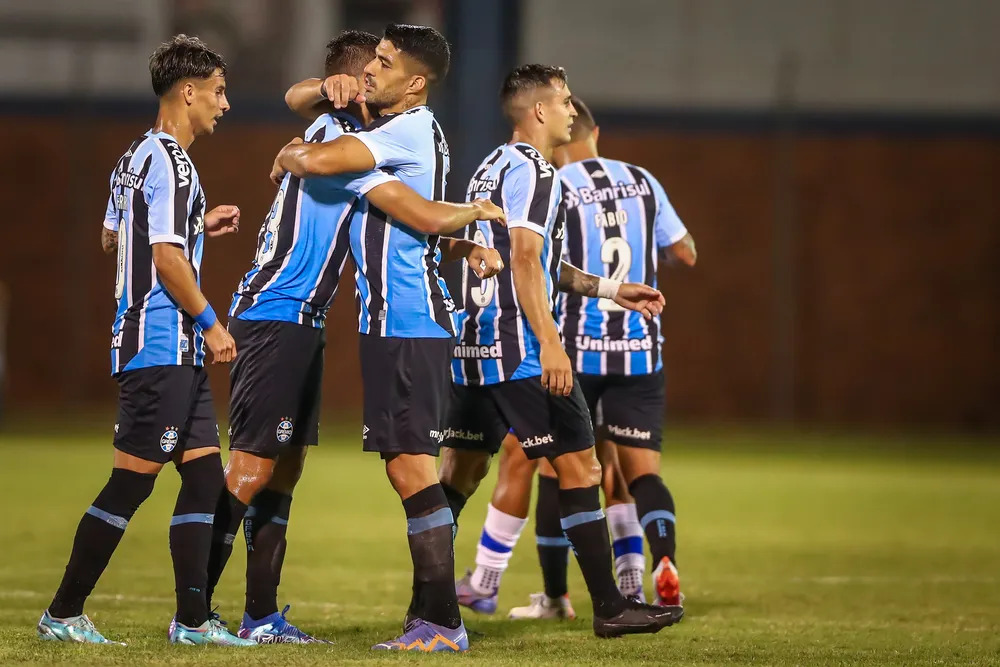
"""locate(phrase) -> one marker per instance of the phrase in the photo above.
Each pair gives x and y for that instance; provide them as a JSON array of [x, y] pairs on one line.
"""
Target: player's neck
[[576, 151], [405, 104], [175, 122], [535, 138]]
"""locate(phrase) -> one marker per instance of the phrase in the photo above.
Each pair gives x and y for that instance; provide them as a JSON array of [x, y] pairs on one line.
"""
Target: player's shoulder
[[331, 125], [170, 158], [525, 160], [417, 118]]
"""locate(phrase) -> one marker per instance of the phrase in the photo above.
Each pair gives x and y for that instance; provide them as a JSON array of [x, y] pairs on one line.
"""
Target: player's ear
[[417, 84], [188, 92], [595, 133], [539, 112]]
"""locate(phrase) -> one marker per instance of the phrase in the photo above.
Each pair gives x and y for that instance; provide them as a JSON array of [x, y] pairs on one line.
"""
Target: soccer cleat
[[73, 629], [637, 618], [212, 631], [667, 583], [544, 607], [274, 629], [428, 637], [630, 583], [473, 599]]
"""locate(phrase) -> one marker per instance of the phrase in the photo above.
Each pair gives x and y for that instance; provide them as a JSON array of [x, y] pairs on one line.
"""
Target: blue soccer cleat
[[73, 629], [274, 629], [212, 631], [428, 637], [473, 599]]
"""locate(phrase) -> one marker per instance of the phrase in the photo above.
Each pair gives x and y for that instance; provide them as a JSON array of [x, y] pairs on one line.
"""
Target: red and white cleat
[[667, 583]]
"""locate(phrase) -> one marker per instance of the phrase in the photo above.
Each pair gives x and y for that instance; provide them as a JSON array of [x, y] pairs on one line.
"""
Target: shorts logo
[[461, 434], [547, 439], [169, 439], [184, 344], [437, 436], [629, 432], [364, 432], [284, 431]]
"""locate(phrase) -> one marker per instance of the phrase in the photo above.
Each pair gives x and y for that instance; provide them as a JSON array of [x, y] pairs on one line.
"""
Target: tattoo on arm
[[575, 281], [109, 240]]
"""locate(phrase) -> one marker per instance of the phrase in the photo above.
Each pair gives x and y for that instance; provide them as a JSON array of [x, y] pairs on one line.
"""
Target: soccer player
[[405, 313], [163, 323], [510, 369], [619, 223], [277, 318]]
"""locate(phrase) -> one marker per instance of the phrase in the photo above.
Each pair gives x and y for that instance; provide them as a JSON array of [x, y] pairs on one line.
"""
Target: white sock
[[626, 538], [496, 544]]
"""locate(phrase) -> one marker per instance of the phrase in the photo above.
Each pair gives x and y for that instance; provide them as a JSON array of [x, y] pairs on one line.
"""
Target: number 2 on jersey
[[483, 294], [618, 252]]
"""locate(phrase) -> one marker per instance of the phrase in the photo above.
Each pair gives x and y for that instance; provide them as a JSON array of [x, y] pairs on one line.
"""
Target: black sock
[[191, 535], [456, 501], [655, 507], [584, 524], [553, 547], [265, 526], [429, 530], [98, 534], [229, 512]]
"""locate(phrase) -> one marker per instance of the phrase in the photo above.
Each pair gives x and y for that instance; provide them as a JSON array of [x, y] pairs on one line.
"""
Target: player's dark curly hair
[[527, 78], [182, 57], [349, 52], [425, 45]]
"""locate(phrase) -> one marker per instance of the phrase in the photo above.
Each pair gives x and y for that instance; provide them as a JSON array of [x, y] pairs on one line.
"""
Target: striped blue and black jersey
[[400, 291], [303, 242], [156, 197], [495, 340], [618, 217]]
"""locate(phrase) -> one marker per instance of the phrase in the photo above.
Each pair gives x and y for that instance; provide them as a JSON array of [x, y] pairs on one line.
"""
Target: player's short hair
[[584, 122], [525, 79], [424, 44], [182, 57], [349, 52]]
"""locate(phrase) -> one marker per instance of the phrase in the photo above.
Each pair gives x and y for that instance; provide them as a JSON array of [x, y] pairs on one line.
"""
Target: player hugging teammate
[[368, 182]]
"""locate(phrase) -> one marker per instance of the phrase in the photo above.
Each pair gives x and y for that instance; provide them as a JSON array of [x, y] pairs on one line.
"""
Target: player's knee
[[202, 479], [578, 469], [246, 475], [463, 470], [288, 470]]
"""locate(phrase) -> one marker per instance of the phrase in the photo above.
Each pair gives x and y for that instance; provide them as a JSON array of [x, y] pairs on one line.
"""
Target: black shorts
[[545, 425], [274, 386], [628, 407], [164, 410], [406, 384]]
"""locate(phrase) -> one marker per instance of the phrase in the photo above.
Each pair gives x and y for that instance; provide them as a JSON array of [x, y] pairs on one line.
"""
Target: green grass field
[[795, 549]]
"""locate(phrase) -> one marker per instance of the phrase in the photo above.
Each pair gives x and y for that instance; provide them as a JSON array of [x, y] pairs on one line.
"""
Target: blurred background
[[837, 161]]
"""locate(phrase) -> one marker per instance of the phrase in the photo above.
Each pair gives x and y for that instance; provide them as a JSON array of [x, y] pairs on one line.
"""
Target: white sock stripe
[[623, 520]]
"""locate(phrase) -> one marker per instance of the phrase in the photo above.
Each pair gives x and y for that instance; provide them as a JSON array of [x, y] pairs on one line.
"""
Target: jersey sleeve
[[111, 214], [399, 142], [668, 228], [362, 183], [528, 192], [167, 191]]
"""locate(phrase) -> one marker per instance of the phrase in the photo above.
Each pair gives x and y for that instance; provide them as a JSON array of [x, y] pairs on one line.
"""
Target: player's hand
[[484, 262], [342, 89], [277, 171], [640, 298], [222, 220], [221, 344], [488, 211], [557, 372]]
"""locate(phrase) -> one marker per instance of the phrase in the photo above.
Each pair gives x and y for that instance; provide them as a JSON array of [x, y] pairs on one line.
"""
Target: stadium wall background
[[889, 313]]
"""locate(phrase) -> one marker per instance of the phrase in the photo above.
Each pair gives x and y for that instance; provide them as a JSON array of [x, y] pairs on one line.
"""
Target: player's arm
[[673, 240], [307, 99], [529, 283], [175, 273], [109, 240], [430, 217], [343, 155], [485, 262], [681, 253], [631, 296]]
